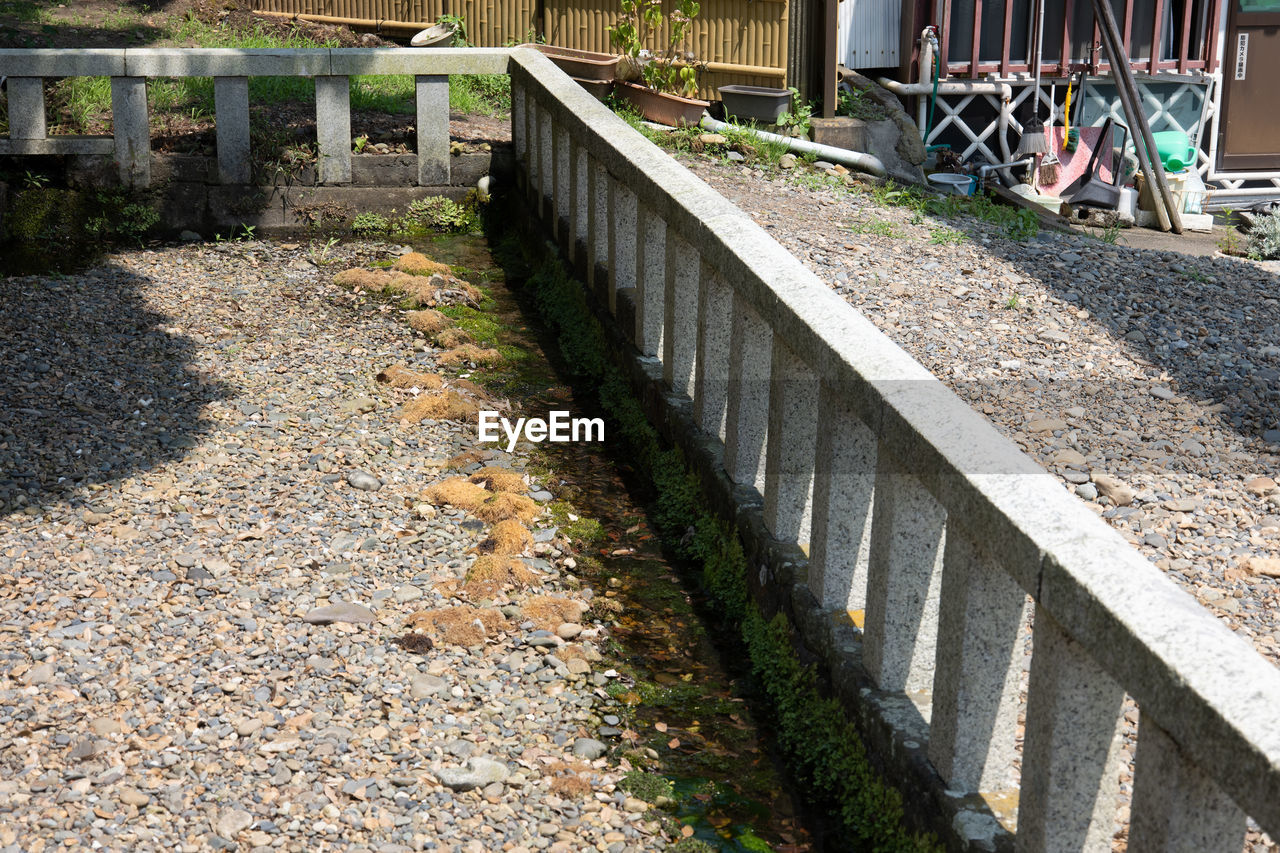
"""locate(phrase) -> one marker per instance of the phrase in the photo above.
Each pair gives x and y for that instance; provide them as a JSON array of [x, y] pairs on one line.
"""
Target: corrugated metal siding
[[736, 32], [869, 33]]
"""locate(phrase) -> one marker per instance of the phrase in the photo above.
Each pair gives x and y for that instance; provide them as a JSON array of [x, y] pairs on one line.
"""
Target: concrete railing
[[918, 516], [231, 69]]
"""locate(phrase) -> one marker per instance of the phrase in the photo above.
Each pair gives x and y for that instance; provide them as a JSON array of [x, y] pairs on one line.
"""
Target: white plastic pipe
[[853, 159]]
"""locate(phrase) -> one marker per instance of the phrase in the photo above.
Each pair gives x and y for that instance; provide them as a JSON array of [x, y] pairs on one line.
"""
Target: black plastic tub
[[755, 102]]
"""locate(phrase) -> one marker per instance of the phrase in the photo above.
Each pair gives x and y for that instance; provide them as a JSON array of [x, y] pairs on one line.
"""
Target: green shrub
[[1264, 237]]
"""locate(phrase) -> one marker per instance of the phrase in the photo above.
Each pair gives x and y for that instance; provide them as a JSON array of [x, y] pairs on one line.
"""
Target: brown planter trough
[[599, 88], [671, 110], [580, 64]]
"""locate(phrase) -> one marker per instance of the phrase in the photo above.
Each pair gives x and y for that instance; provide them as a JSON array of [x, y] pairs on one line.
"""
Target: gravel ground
[[195, 465], [1148, 381]]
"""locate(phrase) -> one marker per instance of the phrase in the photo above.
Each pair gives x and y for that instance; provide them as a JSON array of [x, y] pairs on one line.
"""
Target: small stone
[[104, 726], [133, 797], [541, 495], [361, 406], [1067, 456], [41, 673], [1182, 505], [408, 592], [1088, 491], [1268, 566], [341, 611], [568, 630], [712, 139], [577, 666], [1260, 486], [232, 821], [91, 517], [190, 237], [1161, 393], [589, 748], [478, 772], [424, 686], [735, 157], [787, 161], [1118, 492], [363, 481], [1046, 425]]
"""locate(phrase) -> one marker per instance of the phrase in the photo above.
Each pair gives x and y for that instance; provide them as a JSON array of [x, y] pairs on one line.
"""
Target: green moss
[[822, 748], [649, 787], [579, 527]]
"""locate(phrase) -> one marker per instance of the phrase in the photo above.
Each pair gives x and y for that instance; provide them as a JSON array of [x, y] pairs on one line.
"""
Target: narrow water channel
[[680, 711]]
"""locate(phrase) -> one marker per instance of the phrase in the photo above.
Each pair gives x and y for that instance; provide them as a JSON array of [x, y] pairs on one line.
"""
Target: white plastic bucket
[[948, 182]]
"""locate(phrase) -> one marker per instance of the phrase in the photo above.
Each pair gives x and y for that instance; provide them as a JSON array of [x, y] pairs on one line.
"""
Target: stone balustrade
[[332, 69], [932, 530]]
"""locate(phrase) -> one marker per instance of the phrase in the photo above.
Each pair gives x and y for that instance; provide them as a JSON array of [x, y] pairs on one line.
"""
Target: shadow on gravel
[[93, 388], [1212, 324]]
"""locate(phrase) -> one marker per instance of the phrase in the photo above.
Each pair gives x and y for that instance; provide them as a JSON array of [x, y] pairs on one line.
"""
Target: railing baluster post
[[132, 133], [560, 184], [432, 124], [597, 225], [546, 167], [580, 207], [680, 313], [843, 493], [333, 128], [793, 425], [26, 111], [973, 728], [1176, 807], [903, 580], [231, 120], [622, 240], [711, 367], [1070, 756], [651, 260], [747, 405]]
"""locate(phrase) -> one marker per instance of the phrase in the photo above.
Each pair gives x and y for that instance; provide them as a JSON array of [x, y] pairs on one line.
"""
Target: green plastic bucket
[[1174, 148]]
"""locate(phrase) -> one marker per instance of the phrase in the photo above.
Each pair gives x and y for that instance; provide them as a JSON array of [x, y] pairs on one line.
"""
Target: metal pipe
[[967, 87], [868, 163], [923, 73]]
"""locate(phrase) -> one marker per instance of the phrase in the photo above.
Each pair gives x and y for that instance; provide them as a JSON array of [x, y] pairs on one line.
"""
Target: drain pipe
[[853, 159], [967, 87], [923, 75]]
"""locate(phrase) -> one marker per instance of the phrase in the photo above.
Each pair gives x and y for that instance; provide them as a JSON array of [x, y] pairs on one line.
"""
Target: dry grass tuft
[[440, 406], [428, 321], [361, 278], [470, 354], [492, 574], [566, 780], [416, 291], [509, 537], [417, 263], [399, 376], [548, 612], [505, 505], [462, 625], [497, 479], [472, 388], [462, 460], [451, 337], [457, 492]]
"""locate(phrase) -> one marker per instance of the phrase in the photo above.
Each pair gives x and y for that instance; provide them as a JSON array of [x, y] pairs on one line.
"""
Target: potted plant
[[670, 77]]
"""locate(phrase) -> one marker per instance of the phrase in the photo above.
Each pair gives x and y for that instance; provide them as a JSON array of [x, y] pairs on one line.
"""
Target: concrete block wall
[[910, 543]]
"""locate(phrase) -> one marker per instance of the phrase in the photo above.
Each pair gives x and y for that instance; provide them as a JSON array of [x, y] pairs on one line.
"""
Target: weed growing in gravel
[[878, 227], [944, 236], [1013, 301]]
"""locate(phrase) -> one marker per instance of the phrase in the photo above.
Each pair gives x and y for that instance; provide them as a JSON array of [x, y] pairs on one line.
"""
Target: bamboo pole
[[1152, 168]]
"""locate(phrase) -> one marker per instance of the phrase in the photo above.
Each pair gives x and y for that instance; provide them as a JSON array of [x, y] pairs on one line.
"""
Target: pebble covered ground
[[1148, 381], [213, 547]]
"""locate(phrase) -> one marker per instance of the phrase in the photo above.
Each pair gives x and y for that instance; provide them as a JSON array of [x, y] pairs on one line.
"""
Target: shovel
[[1089, 189]]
